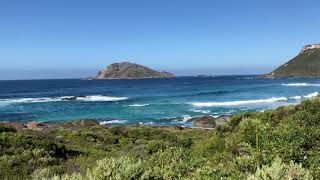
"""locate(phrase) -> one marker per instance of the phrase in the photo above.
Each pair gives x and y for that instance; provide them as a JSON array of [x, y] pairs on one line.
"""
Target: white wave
[[101, 98], [147, 123], [201, 111], [300, 84], [237, 103], [63, 98], [115, 121], [315, 94], [30, 100], [185, 118], [248, 78], [296, 97], [138, 105]]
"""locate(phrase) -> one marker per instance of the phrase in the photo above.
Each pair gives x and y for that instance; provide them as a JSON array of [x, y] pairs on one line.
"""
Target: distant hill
[[306, 64], [127, 70]]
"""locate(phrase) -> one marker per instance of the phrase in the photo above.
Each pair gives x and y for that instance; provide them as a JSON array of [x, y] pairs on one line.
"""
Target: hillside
[[127, 70], [276, 144], [306, 64]]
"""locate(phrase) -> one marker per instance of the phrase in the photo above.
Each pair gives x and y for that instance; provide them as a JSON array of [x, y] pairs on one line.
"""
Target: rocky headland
[[305, 64]]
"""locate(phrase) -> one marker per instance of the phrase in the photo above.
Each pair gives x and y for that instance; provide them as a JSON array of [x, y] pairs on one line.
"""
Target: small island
[[127, 70], [306, 64]]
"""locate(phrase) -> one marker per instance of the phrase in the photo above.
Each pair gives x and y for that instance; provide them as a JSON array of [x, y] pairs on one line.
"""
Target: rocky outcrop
[[310, 48], [84, 123], [204, 122], [305, 64], [209, 121], [222, 120], [127, 70], [17, 126], [47, 126], [73, 98], [33, 125]]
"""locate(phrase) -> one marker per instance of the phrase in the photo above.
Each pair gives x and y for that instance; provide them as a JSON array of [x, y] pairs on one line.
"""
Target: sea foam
[[300, 84], [63, 98], [296, 97], [237, 103], [115, 121], [311, 95], [138, 105], [101, 98], [201, 111]]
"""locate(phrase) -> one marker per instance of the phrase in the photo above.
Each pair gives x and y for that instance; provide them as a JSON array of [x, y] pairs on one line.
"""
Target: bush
[[123, 167], [279, 170], [5, 128], [47, 173], [172, 163]]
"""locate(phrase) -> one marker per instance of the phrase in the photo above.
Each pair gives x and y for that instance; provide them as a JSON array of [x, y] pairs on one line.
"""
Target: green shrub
[[5, 128], [120, 168], [172, 163], [156, 145], [279, 170], [213, 145], [47, 173]]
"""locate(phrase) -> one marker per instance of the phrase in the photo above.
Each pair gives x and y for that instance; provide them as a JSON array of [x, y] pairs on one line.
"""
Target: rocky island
[[127, 70], [305, 64]]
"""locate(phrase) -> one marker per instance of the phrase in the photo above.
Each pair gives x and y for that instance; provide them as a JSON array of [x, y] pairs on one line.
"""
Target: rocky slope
[[127, 70], [306, 64]]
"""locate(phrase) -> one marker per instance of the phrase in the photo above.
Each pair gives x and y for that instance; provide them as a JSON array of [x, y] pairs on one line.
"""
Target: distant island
[[127, 70], [306, 64]]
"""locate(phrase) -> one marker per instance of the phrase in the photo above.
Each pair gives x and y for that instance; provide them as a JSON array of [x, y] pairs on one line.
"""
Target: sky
[[76, 38]]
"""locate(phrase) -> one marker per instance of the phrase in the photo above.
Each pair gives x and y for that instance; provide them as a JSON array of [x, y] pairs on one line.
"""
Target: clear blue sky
[[75, 38]]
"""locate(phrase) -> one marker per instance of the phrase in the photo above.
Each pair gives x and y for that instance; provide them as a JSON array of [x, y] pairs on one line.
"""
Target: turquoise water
[[148, 101]]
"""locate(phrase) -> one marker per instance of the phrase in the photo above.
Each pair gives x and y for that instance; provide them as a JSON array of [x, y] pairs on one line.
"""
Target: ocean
[[154, 102]]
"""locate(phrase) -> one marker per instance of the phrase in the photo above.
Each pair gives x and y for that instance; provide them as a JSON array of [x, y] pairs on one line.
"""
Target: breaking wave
[[64, 98], [311, 95], [255, 101], [138, 105], [300, 84], [115, 121], [237, 103], [201, 111]]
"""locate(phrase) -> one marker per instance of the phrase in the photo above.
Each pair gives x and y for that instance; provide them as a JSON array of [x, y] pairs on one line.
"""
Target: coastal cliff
[[127, 70], [305, 64]]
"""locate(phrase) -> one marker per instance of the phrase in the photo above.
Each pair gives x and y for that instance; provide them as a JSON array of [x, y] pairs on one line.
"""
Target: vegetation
[[277, 144], [306, 64]]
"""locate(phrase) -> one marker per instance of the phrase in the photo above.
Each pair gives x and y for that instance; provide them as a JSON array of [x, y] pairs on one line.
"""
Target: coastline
[[207, 122], [286, 137]]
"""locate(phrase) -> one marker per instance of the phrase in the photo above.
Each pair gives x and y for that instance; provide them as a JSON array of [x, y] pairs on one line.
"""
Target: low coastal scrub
[[278, 144]]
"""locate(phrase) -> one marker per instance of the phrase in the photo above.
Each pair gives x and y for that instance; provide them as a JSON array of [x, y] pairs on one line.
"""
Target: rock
[[305, 64], [209, 121], [203, 121], [84, 123], [69, 98], [223, 119], [33, 125], [127, 70], [72, 98], [15, 125]]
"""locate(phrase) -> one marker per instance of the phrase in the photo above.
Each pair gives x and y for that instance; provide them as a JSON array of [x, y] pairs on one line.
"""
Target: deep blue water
[[148, 101]]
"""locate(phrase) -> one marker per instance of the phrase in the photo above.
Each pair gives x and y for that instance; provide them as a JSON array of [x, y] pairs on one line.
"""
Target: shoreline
[[286, 135], [207, 122]]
